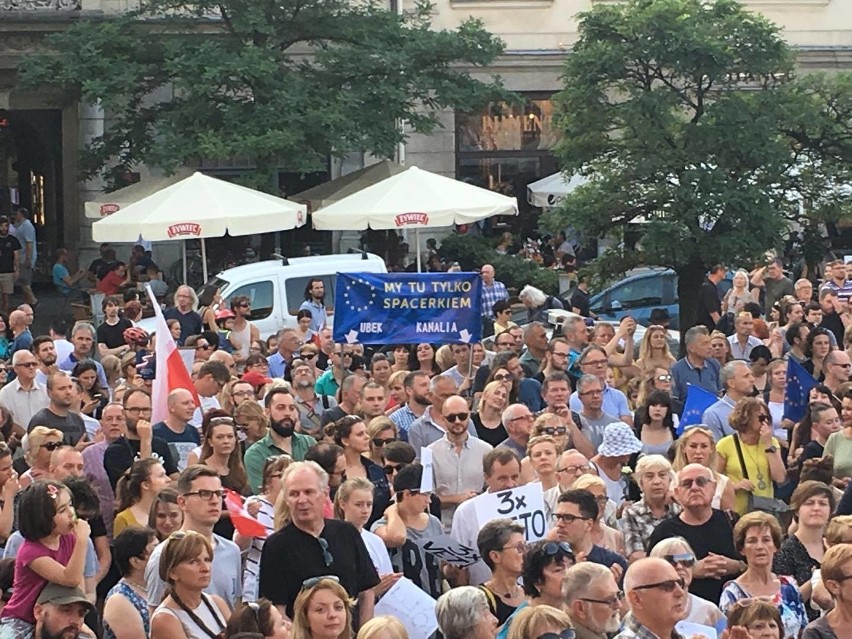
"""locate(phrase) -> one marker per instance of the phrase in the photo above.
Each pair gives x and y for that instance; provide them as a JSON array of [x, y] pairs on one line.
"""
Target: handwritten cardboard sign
[[524, 504], [448, 549], [412, 606]]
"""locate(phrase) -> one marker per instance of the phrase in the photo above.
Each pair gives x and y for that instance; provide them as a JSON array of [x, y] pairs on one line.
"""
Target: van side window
[[261, 296], [295, 288]]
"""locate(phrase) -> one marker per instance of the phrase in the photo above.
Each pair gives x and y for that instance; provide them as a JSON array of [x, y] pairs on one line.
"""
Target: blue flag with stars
[[697, 401], [799, 385]]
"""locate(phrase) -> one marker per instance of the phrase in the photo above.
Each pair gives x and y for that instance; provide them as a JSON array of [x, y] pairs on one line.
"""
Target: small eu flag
[[799, 385], [697, 401]]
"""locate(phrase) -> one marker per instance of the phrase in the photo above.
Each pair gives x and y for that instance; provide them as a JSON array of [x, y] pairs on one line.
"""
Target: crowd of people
[[283, 494]]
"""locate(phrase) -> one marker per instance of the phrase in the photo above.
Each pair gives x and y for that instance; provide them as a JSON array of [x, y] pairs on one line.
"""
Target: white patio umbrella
[[413, 199], [200, 206], [108, 203], [549, 191]]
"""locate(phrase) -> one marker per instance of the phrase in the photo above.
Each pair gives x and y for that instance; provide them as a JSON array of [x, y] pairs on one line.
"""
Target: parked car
[[276, 288], [640, 292]]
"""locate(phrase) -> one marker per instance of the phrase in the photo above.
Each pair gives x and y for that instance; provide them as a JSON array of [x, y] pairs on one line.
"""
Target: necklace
[[141, 588], [761, 483]]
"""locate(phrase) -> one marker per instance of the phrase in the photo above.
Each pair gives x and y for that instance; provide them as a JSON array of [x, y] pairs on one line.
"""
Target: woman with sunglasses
[[382, 432], [660, 379], [323, 610], [257, 620], [505, 377], [251, 420], [542, 622], [187, 612], [351, 434], [501, 545], [697, 446], [41, 442], [757, 536], [654, 350], [753, 446], [801, 553], [678, 552], [654, 424], [545, 565], [488, 419], [554, 426]]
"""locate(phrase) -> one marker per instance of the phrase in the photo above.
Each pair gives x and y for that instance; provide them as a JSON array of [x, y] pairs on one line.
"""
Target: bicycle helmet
[[224, 313], [135, 336]]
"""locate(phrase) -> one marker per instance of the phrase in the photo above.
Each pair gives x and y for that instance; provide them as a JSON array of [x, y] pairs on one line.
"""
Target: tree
[[684, 114], [280, 82]]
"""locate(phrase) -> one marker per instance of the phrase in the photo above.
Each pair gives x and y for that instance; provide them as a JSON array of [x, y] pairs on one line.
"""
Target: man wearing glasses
[[575, 515], [595, 361], [311, 546], [593, 600], [593, 418], [24, 396], [200, 499], [657, 599], [518, 421]]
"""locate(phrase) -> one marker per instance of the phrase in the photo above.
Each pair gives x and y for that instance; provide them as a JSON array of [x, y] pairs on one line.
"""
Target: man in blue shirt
[[315, 303], [738, 382], [697, 368], [62, 278], [492, 291]]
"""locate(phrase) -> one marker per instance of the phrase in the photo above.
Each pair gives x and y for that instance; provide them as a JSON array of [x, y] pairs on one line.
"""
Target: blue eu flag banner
[[799, 385], [697, 401], [407, 308]]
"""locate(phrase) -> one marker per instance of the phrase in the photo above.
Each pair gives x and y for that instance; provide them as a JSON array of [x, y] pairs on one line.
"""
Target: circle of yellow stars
[[372, 296]]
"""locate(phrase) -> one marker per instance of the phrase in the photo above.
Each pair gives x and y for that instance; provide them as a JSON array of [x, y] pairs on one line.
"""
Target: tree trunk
[[689, 279]]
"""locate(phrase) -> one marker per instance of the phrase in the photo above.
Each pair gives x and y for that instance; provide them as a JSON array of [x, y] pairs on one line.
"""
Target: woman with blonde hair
[[604, 532], [396, 389], [353, 502], [187, 612], [382, 432], [538, 621], [739, 295], [112, 369], [835, 570], [488, 418], [654, 350], [720, 348], [252, 423], [41, 442], [322, 610], [697, 446], [383, 627]]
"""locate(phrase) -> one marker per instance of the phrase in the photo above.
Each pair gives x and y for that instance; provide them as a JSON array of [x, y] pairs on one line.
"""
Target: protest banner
[[448, 549], [525, 504], [413, 607], [407, 308]]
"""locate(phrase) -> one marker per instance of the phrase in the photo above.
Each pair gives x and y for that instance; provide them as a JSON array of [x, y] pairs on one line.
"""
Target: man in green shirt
[[281, 439]]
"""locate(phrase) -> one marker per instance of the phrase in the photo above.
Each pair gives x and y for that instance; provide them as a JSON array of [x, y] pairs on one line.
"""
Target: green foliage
[[280, 82], [685, 115], [515, 272]]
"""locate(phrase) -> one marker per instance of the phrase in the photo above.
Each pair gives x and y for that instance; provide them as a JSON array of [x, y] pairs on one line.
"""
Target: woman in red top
[[112, 282]]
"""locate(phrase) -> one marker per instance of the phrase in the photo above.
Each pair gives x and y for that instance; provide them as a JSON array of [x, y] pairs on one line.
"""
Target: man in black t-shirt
[[311, 546], [709, 305], [111, 333], [9, 247], [707, 530]]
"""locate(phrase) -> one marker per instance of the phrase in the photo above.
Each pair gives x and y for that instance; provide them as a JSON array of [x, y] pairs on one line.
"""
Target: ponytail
[[128, 489]]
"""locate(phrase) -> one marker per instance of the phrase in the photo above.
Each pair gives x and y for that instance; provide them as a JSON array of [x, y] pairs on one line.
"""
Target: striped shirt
[[265, 516]]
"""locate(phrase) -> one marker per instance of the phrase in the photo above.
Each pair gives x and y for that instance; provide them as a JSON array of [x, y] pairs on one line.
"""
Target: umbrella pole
[[417, 247], [204, 259], [183, 251]]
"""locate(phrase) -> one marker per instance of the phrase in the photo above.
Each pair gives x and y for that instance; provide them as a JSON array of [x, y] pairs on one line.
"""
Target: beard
[[50, 360], [283, 427], [304, 383], [69, 632], [422, 400]]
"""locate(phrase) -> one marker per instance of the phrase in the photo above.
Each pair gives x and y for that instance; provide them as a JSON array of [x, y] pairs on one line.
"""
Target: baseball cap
[[63, 595], [408, 478]]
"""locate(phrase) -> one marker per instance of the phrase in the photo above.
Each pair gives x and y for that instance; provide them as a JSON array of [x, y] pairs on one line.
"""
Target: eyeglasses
[[527, 418], [602, 499], [552, 548], [569, 519], [560, 354], [597, 362], [327, 557], [701, 482], [591, 392], [612, 602], [568, 633], [390, 469], [138, 411], [554, 430], [503, 377], [764, 419], [313, 581], [457, 417], [686, 560], [242, 393], [203, 347], [664, 378], [582, 468], [51, 446], [206, 495], [668, 585], [379, 443], [520, 547], [27, 365]]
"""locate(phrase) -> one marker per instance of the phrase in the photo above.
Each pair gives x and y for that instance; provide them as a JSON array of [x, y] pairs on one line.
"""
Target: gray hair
[[570, 324], [647, 462], [535, 296], [508, 413], [591, 349], [494, 536], [587, 380], [694, 333], [435, 381], [578, 579], [18, 356], [314, 467], [460, 609], [192, 294], [283, 331], [84, 326], [529, 328], [729, 370], [669, 546]]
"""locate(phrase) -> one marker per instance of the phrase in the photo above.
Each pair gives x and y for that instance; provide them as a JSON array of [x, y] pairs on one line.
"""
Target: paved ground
[[49, 307]]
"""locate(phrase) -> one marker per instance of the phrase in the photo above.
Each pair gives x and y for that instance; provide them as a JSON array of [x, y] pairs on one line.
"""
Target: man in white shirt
[[742, 341], [24, 396]]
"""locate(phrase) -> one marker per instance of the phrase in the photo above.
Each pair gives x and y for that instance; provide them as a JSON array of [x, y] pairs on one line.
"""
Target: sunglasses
[[309, 356], [668, 585], [504, 377], [313, 581], [457, 417], [664, 378], [205, 347], [568, 633], [687, 560], [554, 430], [379, 443], [552, 548], [764, 419], [51, 446], [327, 557], [390, 469], [701, 482], [612, 602]]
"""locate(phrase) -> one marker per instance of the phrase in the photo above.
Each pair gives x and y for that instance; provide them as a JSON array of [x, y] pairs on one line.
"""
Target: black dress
[[493, 436], [793, 560]]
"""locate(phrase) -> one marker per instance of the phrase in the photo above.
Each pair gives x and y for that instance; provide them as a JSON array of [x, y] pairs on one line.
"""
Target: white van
[[276, 288]]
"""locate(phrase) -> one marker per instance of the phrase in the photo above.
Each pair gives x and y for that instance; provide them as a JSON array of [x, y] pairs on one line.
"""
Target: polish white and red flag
[[171, 371], [245, 524]]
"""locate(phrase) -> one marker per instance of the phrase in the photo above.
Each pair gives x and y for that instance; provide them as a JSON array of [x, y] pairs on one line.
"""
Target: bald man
[[22, 338], [176, 429], [657, 599]]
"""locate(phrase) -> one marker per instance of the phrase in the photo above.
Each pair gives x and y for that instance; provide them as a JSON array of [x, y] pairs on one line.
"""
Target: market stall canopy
[[197, 207], [413, 199], [329, 192], [549, 191], [109, 203]]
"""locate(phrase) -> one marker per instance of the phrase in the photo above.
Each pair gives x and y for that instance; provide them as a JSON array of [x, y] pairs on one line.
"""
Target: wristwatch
[[771, 449]]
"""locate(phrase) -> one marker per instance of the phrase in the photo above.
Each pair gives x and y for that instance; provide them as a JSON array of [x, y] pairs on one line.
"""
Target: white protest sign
[[525, 504], [696, 630], [448, 549], [413, 607], [427, 484]]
